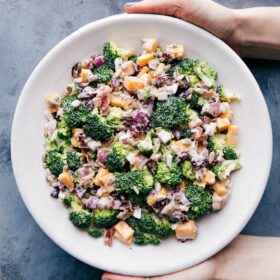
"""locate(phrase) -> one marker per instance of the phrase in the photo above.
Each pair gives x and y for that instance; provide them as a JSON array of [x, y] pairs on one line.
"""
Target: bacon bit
[[209, 94], [108, 238]]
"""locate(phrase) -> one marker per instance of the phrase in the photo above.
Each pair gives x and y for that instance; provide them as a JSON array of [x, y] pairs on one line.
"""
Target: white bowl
[[215, 231]]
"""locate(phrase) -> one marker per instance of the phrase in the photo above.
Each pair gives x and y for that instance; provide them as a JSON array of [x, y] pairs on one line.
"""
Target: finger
[[165, 7], [111, 276]]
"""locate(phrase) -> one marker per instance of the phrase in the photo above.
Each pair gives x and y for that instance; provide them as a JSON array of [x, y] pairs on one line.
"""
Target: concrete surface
[[28, 30]]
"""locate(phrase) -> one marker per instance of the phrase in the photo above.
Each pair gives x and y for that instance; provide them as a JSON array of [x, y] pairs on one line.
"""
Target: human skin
[[247, 257], [252, 32]]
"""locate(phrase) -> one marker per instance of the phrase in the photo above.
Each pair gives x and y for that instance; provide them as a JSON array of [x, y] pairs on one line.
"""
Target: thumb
[[164, 7]]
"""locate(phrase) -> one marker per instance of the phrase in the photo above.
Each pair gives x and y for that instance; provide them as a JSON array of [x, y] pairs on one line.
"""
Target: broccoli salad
[[141, 145]]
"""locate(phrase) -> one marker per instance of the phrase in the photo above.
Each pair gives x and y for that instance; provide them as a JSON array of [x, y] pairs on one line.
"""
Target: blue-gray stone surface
[[28, 30]]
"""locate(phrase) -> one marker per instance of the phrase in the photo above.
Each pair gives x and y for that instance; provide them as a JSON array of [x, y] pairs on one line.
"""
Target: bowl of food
[[128, 134]]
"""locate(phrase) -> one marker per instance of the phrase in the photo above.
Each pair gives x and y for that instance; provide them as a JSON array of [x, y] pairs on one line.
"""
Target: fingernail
[[129, 4]]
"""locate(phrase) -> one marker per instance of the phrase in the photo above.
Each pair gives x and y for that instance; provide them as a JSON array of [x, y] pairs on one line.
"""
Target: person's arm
[[247, 257], [252, 32]]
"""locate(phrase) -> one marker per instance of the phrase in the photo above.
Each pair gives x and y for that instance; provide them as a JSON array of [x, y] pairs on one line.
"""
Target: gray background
[[28, 30]]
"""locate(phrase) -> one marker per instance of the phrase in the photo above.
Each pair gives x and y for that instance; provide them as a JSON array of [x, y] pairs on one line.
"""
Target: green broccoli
[[226, 95], [73, 160], [197, 102], [224, 169], [95, 232], [216, 143], [104, 74], [187, 133], [184, 66], [140, 181], [54, 162], [206, 73], [115, 115], [59, 141], [187, 170], [142, 239], [110, 53], [73, 116], [201, 201], [171, 176], [230, 153], [97, 128], [150, 224], [193, 80], [80, 218], [115, 160], [105, 218], [170, 113], [69, 200], [138, 199], [145, 146]]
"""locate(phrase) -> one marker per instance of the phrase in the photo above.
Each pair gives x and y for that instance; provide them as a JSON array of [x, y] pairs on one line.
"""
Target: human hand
[[215, 18], [247, 257]]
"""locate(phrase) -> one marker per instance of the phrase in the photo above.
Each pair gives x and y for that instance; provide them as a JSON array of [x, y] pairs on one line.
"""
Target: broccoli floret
[[69, 200], [171, 176], [54, 163], [59, 141], [73, 116], [184, 66], [142, 239], [80, 218], [216, 143], [145, 146], [138, 199], [230, 153], [95, 232], [115, 115], [104, 74], [105, 218], [193, 80], [224, 169], [140, 181], [97, 128], [187, 170], [197, 101], [187, 133], [115, 160], [201, 201], [206, 73], [170, 113], [73, 160], [110, 53], [226, 95], [150, 224]]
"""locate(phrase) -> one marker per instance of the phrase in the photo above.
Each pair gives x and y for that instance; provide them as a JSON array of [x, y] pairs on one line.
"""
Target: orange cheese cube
[[144, 59], [150, 45], [187, 230], [222, 124], [210, 178], [133, 84], [146, 78], [220, 189], [75, 139], [84, 74], [98, 178], [52, 110], [144, 69], [123, 232], [232, 135], [227, 113], [66, 179], [177, 50], [117, 101]]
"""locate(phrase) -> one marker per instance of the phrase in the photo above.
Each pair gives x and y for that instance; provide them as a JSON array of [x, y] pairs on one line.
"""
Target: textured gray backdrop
[[28, 30]]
